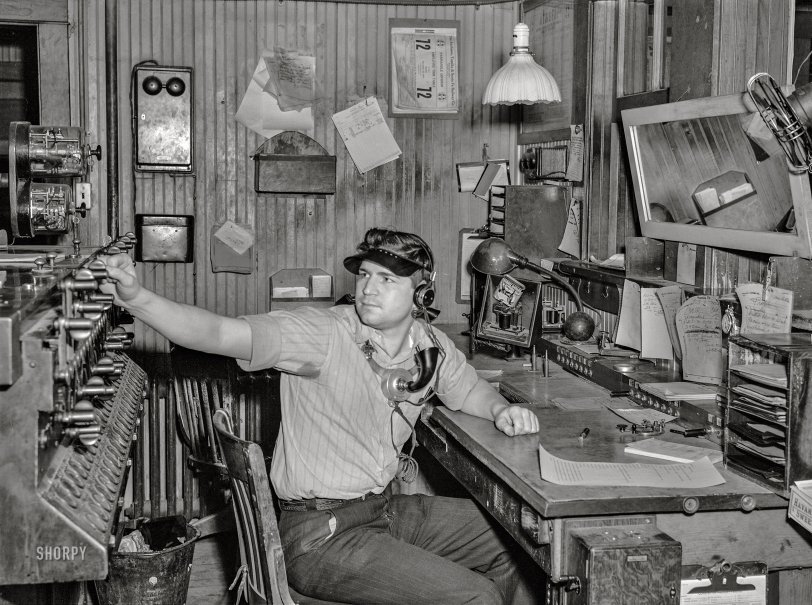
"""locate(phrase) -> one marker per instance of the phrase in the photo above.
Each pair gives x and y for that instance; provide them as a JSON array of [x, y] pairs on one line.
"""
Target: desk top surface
[[516, 461]]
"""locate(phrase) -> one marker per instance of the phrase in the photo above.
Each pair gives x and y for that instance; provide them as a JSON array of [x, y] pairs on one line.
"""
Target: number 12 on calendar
[[424, 71]]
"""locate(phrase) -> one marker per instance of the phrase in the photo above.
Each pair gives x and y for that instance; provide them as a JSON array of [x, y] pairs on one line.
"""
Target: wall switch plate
[[81, 196]]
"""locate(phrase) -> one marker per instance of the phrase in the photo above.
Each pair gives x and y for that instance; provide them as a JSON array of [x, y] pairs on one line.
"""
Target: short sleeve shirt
[[339, 437]]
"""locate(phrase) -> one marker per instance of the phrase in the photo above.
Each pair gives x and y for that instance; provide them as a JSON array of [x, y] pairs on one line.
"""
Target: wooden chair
[[263, 577]]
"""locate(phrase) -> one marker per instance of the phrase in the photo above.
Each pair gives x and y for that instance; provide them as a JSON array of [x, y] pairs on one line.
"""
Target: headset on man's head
[[424, 293]]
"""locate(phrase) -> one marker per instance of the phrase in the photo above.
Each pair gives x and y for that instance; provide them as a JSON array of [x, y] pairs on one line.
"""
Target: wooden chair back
[[265, 577]]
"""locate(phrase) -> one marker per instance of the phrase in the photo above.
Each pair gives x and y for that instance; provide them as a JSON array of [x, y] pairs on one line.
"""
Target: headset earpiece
[[424, 293]]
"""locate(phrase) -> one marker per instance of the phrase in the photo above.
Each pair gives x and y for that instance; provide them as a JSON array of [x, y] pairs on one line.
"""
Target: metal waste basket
[[158, 576]]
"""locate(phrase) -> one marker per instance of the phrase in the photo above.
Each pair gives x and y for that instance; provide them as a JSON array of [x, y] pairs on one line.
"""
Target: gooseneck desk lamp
[[494, 257]]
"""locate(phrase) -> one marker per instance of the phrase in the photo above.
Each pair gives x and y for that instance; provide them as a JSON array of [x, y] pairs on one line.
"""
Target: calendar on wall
[[424, 68]]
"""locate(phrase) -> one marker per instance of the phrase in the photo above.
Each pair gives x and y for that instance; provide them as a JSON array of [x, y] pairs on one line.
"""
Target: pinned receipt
[[235, 237]]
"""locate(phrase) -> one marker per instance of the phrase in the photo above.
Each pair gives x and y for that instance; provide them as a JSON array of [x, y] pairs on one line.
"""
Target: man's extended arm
[[185, 325], [483, 401]]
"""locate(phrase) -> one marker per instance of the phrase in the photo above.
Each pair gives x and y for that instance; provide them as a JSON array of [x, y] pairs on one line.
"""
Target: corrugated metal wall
[[222, 42]]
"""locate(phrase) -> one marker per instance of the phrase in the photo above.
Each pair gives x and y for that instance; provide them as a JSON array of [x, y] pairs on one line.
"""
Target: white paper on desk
[[627, 329], [616, 474], [366, 135], [699, 327], [757, 596], [765, 312], [671, 298], [259, 110], [655, 341], [571, 240]]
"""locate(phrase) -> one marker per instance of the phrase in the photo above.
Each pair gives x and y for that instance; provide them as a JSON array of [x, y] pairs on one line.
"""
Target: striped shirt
[[337, 425]]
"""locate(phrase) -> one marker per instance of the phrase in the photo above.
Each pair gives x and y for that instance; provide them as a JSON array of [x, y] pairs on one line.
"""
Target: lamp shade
[[521, 79], [493, 257]]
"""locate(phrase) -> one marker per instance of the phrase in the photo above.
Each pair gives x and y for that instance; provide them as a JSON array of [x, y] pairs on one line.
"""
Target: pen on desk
[[583, 434]]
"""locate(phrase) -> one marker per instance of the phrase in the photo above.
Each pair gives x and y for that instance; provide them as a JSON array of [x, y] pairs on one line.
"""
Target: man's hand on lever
[[186, 325], [122, 282]]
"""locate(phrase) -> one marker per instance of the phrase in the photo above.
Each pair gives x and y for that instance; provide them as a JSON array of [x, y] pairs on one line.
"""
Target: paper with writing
[[291, 78], [699, 327], [671, 298], [571, 240], [627, 329], [616, 474], [655, 341], [575, 156], [424, 64], [366, 135], [235, 237], [763, 312], [260, 111]]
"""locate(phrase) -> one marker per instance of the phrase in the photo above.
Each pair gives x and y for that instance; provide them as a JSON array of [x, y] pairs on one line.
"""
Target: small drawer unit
[[768, 417]]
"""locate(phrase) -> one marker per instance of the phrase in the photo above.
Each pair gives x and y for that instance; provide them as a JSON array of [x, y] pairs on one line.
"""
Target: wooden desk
[[502, 474]]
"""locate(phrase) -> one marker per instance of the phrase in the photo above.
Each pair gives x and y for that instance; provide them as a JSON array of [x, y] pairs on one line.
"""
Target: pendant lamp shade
[[521, 79]]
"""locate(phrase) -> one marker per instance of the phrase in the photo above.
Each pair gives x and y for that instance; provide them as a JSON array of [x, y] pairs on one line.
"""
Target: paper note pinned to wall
[[575, 159], [765, 311], [699, 327], [571, 240], [235, 237], [260, 111], [366, 135]]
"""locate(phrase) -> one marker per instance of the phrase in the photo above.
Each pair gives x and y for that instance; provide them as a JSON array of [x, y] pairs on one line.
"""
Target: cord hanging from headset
[[408, 467]]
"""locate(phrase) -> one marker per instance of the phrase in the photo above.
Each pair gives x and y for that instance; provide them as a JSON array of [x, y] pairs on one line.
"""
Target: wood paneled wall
[[222, 40]]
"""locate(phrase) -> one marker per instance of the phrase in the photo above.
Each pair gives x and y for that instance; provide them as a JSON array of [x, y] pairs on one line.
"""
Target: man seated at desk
[[341, 437]]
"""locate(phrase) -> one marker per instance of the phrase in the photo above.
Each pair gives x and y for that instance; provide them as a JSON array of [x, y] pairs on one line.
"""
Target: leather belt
[[320, 503]]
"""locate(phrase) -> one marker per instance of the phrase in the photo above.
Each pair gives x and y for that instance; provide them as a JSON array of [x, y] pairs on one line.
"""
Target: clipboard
[[724, 583]]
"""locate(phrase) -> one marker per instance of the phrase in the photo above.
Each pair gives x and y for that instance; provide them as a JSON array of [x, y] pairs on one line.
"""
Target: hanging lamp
[[521, 79]]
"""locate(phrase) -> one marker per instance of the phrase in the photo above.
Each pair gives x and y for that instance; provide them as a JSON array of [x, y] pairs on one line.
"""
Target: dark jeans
[[402, 549]]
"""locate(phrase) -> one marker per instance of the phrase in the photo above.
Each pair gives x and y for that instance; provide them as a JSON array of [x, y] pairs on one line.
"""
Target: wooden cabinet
[[769, 409]]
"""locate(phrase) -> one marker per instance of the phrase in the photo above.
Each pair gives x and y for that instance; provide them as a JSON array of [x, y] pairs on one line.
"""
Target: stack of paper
[[761, 394], [668, 450], [679, 391], [773, 453], [771, 374]]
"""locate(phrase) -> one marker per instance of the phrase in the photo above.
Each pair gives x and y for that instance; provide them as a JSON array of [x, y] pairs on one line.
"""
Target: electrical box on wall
[[163, 118]]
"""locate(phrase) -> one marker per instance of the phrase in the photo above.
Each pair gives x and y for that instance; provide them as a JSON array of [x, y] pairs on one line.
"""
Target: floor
[[214, 567]]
